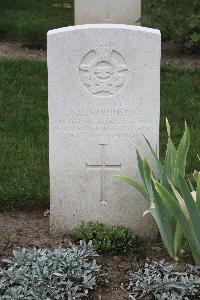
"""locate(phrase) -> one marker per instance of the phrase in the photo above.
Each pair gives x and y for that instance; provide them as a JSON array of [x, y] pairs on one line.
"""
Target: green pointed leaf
[[172, 162], [148, 181], [182, 152], [196, 175], [169, 164], [177, 212], [165, 221], [178, 238], [191, 185], [191, 206], [198, 193], [158, 163], [168, 245], [180, 201], [140, 165], [135, 184]]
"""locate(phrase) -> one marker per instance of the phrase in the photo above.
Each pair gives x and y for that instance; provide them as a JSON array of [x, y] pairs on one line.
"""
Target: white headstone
[[104, 95], [107, 11]]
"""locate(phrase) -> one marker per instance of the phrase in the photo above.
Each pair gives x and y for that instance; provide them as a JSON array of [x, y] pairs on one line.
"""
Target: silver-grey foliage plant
[[161, 280], [45, 274]]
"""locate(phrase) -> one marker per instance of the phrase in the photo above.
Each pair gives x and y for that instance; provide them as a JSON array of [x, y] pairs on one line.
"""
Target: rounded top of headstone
[[104, 26]]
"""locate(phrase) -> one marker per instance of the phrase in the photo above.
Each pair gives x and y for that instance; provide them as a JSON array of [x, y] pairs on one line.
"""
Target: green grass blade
[[135, 184]]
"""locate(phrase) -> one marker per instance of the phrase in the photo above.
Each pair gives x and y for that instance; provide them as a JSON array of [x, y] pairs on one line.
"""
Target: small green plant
[[44, 274], [162, 280], [168, 172], [106, 238]]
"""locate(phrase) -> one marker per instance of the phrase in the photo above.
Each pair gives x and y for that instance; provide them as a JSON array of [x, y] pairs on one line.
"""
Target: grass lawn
[[29, 20], [23, 133], [24, 179]]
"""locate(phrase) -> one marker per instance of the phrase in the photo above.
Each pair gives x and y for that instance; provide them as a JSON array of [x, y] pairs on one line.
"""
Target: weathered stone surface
[[107, 11], [104, 94]]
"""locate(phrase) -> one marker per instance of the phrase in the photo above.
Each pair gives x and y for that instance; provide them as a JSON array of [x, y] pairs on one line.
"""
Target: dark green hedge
[[179, 21]]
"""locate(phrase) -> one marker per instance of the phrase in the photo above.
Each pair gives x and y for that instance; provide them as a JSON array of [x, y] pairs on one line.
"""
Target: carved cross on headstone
[[103, 167], [108, 10]]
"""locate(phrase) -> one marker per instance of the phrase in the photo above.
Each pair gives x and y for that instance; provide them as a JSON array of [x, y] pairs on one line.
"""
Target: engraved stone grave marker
[[107, 11], [103, 71], [103, 167], [104, 95]]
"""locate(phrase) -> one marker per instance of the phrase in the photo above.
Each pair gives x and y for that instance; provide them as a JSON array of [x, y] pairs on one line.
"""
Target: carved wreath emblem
[[103, 71]]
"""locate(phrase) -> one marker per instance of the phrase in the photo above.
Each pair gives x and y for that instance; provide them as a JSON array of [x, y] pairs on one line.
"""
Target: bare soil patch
[[170, 54], [12, 49], [31, 229]]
